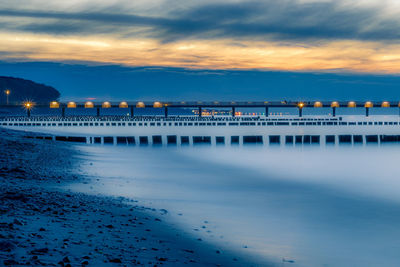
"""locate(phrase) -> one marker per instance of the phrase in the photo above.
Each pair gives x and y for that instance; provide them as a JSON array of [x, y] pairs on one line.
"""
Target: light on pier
[[123, 104], [54, 104], [368, 104], [28, 105], [385, 104], [71, 105], [352, 104], [300, 105], [335, 104], [106, 105], [157, 105], [89, 104], [317, 104], [140, 105]]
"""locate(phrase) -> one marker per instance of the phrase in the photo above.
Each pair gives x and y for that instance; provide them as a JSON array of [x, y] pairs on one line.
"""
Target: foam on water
[[319, 207]]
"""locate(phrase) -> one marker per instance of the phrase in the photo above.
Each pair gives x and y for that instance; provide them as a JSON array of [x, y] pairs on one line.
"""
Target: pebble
[[116, 260]]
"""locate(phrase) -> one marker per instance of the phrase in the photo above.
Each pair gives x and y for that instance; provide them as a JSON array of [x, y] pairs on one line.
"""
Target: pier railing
[[200, 105]]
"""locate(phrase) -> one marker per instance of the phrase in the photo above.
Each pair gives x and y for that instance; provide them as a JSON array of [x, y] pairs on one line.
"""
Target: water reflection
[[320, 207]]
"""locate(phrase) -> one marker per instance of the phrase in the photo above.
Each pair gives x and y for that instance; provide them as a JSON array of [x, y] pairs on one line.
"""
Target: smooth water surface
[[318, 207]]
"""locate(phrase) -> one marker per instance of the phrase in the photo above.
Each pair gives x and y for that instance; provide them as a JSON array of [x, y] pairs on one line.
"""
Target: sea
[[297, 206]]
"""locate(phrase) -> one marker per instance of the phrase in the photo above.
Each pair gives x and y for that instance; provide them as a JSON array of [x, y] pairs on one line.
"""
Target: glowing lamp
[[368, 104], [123, 104], [71, 105], [140, 105], [335, 104], [7, 92], [28, 105], [54, 104], [106, 105], [385, 104], [301, 105], [157, 105], [318, 104], [351, 104], [89, 104]]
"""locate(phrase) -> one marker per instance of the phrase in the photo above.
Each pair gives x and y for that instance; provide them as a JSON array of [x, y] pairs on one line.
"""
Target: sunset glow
[[157, 33], [216, 54]]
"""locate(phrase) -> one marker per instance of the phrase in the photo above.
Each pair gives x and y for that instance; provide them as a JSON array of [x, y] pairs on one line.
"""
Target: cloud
[[297, 35], [284, 20]]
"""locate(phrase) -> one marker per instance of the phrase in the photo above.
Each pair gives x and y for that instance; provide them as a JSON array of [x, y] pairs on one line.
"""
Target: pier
[[166, 129], [131, 106]]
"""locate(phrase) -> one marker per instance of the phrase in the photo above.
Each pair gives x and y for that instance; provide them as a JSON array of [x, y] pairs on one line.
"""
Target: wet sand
[[43, 224]]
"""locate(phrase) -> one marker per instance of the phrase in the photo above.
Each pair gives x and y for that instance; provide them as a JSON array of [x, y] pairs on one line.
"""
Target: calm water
[[334, 207]]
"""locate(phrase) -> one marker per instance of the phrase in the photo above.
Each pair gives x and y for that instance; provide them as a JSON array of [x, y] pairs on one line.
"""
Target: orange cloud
[[355, 56]]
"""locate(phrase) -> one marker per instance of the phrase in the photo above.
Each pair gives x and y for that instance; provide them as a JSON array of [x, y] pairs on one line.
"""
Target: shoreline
[[42, 224]]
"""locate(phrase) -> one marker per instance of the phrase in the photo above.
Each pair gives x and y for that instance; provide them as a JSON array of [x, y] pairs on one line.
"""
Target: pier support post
[[132, 112], [166, 112], [98, 112], [233, 111], [63, 112], [28, 112], [266, 111], [200, 111], [334, 111], [366, 112]]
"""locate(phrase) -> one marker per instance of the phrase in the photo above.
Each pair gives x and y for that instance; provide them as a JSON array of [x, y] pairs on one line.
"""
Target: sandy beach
[[43, 224]]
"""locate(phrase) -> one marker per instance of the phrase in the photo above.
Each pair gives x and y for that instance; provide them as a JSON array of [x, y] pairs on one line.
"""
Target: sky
[[204, 49]]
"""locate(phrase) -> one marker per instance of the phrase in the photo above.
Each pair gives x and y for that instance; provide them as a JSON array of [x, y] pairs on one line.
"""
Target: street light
[[7, 92], [28, 105], [300, 105]]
